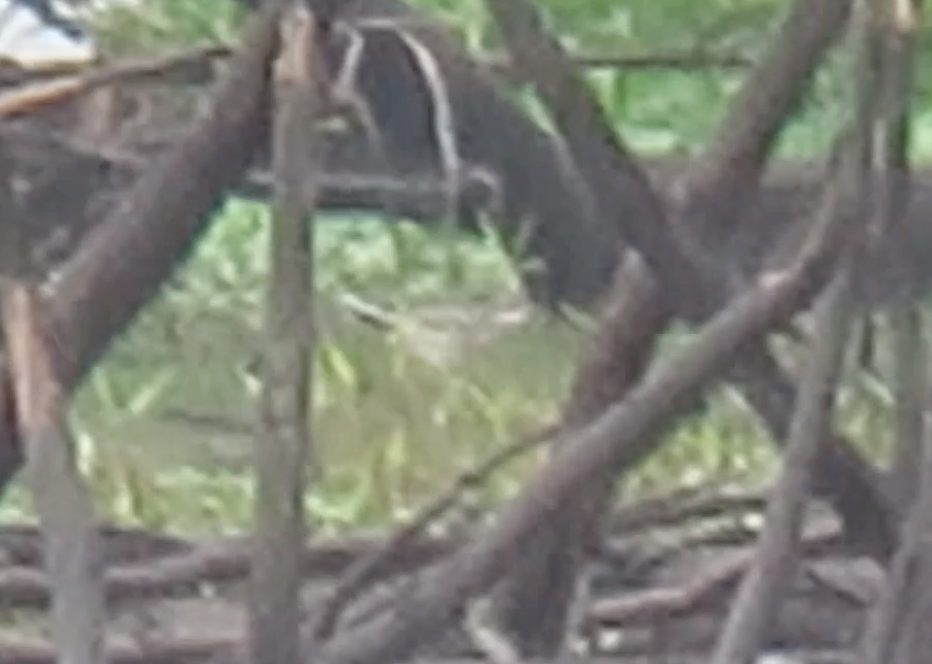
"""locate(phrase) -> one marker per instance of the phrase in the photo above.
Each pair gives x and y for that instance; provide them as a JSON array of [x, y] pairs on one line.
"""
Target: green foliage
[[393, 423], [158, 25]]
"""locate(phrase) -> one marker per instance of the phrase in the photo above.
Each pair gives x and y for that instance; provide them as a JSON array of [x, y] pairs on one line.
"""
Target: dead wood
[[189, 67], [178, 651], [893, 186], [617, 439], [368, 569], [910, 387], [87, 178], [125, 260], [681, 597], [683, 505], [142, 566], [764, 587], [283, 446], [189, 651], [655, 605], [603, 161], [715, 193], [219, 562], [20, 545], [533, 602], [63, 505], [897, 632]]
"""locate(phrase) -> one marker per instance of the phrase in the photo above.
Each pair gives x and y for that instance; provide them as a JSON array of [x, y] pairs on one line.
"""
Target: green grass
[[394, 427]]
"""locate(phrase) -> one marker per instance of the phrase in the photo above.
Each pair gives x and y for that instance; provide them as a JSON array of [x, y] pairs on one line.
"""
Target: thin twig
[[366, 569]]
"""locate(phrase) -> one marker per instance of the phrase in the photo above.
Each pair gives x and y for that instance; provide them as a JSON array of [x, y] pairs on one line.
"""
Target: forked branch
[[71, 547], [127, 258], [617, 439]]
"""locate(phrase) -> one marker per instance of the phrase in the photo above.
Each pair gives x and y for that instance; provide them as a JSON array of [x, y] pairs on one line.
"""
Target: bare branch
[[607, 168], [911, 390], [658, 604], [896, 38], [762, 589], [190, 67], [617, 439], [283, 444], [143, 239], [692, 284], [71, 546], [897, 631], [717, 189], [227, 561], [365, 570], [534, 604]]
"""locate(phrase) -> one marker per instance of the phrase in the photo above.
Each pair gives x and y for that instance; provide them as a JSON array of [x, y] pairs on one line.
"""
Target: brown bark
[[619, 438], [535, 599], [71, 547], [718, 189], [283, 443], [895, 273], [692, 284], [762, 589], [219, 563], [144, 238]]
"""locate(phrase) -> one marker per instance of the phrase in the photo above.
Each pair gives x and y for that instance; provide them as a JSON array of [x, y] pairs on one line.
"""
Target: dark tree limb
[[690, 284], [533, 606], [125, 260], [368, 569], [196, 650], [911, 391], [28, 89], [656, 605], [602, 163], [534, 603], [892, 191], [619, 438], [717, 190], [762, 590], [897, 630], [898, 627], [72, 170], [219, 563], [686, 61], [169, 568], [176, 651], [71, 546]]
